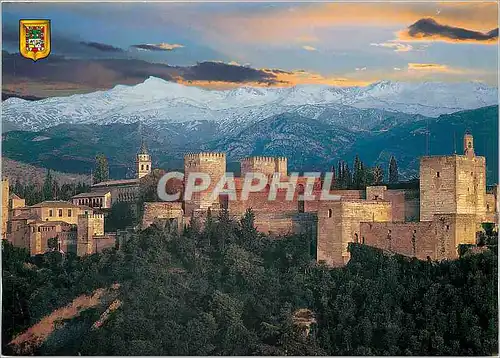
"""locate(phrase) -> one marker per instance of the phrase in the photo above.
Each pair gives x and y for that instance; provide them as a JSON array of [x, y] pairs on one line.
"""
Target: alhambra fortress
[[431, 222]]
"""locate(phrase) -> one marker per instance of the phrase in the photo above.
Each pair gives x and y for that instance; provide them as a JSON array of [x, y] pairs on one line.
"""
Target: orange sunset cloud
[[280, 79], [432, 67]]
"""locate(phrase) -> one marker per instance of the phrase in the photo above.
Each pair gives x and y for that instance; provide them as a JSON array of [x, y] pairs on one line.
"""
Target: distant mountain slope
[[29, 173], [409, 141], [156, 103], [309, 144]]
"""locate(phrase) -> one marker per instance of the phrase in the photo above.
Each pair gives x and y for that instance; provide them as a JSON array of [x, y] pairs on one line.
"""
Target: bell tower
[[468, 144], [143, 161]]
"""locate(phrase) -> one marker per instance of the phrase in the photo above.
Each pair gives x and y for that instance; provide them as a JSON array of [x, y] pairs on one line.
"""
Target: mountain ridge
[[309, 144], [158, 102]]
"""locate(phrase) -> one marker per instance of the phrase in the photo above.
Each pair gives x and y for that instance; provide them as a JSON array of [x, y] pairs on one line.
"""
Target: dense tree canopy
[[51, 190], [225, 289], [361, 176]]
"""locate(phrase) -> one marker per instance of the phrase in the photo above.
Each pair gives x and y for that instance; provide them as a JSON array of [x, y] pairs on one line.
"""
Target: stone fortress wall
[[431, 222]]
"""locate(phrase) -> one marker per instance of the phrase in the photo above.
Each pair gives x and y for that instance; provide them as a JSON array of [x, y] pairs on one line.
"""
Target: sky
[[271, 44]]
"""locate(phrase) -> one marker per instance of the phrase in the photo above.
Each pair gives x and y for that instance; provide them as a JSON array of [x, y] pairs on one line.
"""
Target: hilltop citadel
[[447, 210]]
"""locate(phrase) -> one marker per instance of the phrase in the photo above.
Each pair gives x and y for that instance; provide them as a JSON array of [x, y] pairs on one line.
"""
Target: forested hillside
[[225, 289]]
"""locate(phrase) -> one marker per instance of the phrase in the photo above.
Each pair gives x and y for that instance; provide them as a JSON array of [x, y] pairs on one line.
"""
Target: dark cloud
[[493, 33], [430, 28], [101, 46], [219, 71], [157, 47], [91, 74], [57, 70]]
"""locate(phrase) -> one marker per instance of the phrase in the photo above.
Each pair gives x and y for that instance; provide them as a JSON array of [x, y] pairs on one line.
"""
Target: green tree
[[18, 188], [378, 175], [359, 175], [121, 216], [101, 172], [53, 243], [348, 182], [47, 190], [393, 171]]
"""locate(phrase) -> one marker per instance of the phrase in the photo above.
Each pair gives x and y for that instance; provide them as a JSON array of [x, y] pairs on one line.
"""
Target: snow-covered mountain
[[157, 102]]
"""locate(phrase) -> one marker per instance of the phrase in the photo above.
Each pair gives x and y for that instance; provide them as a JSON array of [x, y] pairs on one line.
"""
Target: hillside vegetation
[[26, 173], [225, 289]]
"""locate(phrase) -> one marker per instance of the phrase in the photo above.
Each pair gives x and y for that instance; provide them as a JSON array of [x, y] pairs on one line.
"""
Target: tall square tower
[[454, 184]]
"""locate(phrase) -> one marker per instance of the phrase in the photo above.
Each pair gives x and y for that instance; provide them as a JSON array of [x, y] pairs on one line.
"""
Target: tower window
[[329, 213], [437, 174], [142, 166], [487, 207], [147, 166], [301, 206]]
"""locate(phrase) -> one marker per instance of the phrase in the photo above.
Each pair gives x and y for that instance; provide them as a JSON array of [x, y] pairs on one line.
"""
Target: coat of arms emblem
[[34, 38]]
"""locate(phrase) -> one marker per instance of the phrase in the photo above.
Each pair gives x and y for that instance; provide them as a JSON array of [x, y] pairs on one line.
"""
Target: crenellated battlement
[[265, 165], [192, 155], [262, 159]]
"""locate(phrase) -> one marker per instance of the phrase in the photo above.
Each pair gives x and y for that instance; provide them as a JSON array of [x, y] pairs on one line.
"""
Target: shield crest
[[34, 39]]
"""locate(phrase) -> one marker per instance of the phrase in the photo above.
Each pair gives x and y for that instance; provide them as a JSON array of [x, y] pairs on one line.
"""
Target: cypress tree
[[47, 193], [393, 171], [359, 177], [378, 175], [348, 177], [101, 169]]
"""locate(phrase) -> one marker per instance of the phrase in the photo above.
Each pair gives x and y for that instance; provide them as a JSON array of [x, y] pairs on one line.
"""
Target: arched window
[[142, 166], [356, 238], [147, 166], [330, 213]]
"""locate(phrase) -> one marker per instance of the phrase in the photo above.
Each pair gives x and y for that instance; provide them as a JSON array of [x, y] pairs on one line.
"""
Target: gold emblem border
[[22, 39]]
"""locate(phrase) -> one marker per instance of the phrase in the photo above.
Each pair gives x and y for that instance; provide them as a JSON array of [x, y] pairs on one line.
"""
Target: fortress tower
[[468, 145], [454, 184], [143, 161], [89, 225], [213, 164], [265, 165]]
